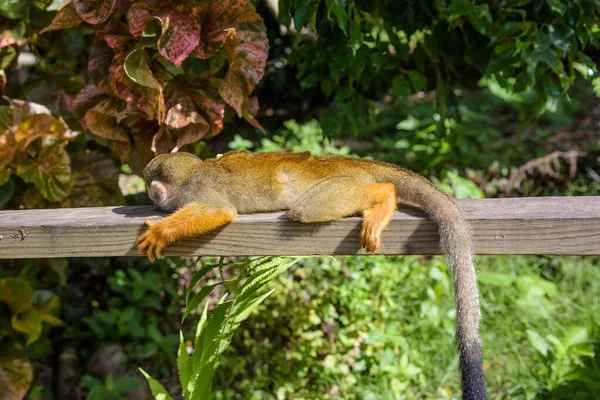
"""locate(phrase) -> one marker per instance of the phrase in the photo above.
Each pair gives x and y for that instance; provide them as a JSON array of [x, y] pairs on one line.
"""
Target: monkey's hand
[[186, 222]]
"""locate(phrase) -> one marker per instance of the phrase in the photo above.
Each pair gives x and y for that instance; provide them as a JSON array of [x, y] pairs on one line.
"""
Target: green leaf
[[14, 9], [481, 19], [562, 36], [47, 305], [538, 342], [7, 189], [575, 335], [459, 8], [183, 359], [196, 278], [495, 279], [303, 13], [50, 172], [137, 67], [197, 299], [7, 56], [158, 390], [558, 6], [244, 310], [401, 87], [508, 28], [29, 323], [336, 7], [126, 384], [16, 293], [418, 80], [356, 37]]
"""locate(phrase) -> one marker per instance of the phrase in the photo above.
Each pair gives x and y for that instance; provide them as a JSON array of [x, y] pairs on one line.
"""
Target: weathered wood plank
[[547, 225]]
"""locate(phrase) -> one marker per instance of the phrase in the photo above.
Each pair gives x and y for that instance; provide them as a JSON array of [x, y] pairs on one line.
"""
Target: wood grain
[[543, 225]]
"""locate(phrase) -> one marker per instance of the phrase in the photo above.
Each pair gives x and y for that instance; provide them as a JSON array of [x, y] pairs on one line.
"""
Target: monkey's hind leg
[[339, 197], [189, 221]]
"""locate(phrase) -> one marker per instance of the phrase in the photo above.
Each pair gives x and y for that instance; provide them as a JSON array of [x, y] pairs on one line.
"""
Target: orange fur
[[186, 222], [377, 217]]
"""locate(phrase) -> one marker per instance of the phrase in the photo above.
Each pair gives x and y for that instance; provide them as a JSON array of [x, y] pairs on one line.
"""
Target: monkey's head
[[167, 172]]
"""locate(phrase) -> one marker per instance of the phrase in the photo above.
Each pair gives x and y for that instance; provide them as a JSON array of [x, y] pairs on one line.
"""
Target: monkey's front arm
[[189, 221]]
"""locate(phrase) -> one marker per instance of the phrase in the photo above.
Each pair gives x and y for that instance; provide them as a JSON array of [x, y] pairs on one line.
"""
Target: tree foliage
[[367, 49], [148, 77]]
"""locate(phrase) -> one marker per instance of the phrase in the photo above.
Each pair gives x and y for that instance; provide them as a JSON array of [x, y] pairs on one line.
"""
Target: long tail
[[456, 243]]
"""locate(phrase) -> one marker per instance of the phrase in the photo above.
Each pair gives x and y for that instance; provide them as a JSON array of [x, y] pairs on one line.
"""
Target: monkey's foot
[[152, 242]]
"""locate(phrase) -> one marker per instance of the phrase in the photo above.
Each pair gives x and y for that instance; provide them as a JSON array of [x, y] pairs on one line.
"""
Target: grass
[[382, 328]]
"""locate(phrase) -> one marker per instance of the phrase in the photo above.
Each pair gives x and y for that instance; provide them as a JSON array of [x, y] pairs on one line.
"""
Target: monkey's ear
[[158, 191]]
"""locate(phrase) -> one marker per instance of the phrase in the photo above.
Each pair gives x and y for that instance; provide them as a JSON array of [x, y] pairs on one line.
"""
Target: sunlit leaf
[[8, 148], [180, 29], [249, 111], [538, 342], [94, 11], [575, 335], [194, 111], [101, 120], [67, 17], [183, 359], [50, 172], [158, 390], [8, 56], [16, 376], [16, 293], [137, 67], [11, 35], [28, 322]]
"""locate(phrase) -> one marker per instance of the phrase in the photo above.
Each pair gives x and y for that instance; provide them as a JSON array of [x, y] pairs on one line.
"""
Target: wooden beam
[[545, 225]]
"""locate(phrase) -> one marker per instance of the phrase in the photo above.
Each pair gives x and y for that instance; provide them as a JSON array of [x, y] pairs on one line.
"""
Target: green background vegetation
[[488, 99]]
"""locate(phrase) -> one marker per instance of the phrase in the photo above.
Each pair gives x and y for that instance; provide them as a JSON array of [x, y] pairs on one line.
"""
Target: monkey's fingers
[[148, 223]]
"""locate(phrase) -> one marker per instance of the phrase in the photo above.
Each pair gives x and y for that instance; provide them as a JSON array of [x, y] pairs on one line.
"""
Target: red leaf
[[200, 93], [119, 43], [249, 111], [87, 97], [101, 57], [182, 114], [234, 91], [94, 11], [180, 34], [101, 120], [235, 25], [66, 17], [171, 140], [136, 18]]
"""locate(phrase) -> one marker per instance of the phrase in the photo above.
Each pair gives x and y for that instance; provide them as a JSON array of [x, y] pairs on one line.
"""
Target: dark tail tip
[[473, 382]]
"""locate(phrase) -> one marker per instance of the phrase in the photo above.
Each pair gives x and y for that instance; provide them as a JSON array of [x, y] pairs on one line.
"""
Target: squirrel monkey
[[205, 195]]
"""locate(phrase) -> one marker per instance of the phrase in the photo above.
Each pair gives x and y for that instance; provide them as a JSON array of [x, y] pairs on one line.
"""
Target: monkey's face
[[159, 193]]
